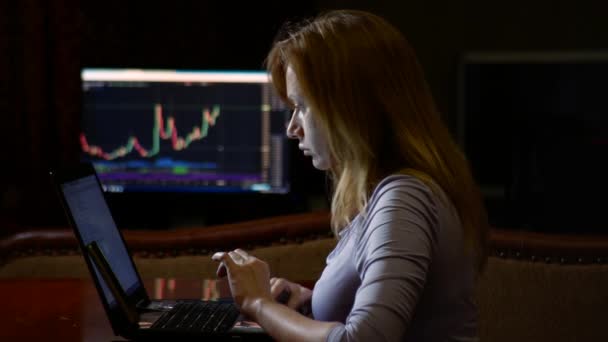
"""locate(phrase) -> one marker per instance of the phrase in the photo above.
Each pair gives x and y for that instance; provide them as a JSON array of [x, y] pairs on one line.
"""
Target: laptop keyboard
[[209, 317]]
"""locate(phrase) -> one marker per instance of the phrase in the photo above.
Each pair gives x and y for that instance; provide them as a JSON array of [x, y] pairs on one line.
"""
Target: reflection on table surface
[[70, 310], [171, 288]]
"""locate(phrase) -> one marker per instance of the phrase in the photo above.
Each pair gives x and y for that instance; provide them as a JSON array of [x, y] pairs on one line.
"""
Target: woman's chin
[[320, 164]]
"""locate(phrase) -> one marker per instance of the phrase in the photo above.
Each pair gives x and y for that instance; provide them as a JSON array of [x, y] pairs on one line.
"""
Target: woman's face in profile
[[303, 127]]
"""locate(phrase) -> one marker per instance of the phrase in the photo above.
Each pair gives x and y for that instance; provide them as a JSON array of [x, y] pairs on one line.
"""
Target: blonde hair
[[367, 91]]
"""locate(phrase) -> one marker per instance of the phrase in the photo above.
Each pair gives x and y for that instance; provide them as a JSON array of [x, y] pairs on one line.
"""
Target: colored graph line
[[162, 130]]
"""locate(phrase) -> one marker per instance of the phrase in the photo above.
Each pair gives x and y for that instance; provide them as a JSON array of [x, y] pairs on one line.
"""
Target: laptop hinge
[[142, 304]]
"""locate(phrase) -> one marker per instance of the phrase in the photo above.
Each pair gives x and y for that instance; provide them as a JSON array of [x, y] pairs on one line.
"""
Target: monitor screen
[[94, 222], [184, 131]]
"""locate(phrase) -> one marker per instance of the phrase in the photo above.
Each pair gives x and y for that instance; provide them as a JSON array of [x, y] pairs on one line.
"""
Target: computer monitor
[[184, 131], [535, 129]]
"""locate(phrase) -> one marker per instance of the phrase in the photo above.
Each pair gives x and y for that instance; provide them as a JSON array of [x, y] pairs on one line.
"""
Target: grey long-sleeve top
[[399, 272]]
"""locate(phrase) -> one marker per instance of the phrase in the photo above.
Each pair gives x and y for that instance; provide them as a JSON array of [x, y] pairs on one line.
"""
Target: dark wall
[[225, 35], [182, 34], [440, 31]]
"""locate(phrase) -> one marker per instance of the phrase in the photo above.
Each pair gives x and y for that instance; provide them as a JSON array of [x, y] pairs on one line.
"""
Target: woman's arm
[[393, 253], [250, 285], [285, 324]]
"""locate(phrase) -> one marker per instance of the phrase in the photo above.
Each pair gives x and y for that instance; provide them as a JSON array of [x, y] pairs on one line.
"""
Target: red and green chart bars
[[162, 130]]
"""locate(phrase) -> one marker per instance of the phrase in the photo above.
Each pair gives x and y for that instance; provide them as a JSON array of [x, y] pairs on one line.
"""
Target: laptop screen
[[94, 222]]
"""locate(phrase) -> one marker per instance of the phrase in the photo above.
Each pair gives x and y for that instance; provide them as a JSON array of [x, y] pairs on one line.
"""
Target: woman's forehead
[[291, 80]]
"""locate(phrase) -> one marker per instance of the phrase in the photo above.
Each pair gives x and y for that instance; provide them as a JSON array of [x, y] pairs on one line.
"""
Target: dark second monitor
[[535, 129], [184, 131]]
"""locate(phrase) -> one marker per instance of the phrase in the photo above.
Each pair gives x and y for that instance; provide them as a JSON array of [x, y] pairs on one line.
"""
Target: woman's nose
[[293, 127]]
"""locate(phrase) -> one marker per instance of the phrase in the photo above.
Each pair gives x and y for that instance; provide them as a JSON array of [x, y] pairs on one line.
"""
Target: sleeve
[[394, 252]]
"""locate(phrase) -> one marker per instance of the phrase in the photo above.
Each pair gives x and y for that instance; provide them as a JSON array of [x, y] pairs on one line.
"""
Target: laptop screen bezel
[[118, 321]]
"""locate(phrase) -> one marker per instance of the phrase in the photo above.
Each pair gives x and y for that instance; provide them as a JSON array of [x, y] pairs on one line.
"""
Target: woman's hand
[[248, 277], [298, 294]]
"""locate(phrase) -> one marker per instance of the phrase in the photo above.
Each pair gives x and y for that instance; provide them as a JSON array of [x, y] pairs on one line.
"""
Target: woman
[[408, 217]]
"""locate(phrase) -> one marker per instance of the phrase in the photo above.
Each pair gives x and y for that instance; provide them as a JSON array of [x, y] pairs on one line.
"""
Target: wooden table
[[70, 309]]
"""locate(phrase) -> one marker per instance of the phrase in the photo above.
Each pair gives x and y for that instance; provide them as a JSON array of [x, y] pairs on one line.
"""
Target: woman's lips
[[304, 150]]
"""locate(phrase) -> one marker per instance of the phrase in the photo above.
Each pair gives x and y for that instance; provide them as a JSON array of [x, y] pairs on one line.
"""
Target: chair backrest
[[184, 252], [541, 287]]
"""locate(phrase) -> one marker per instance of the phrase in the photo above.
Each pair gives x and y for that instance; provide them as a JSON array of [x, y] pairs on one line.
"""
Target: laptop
[[131, 312]]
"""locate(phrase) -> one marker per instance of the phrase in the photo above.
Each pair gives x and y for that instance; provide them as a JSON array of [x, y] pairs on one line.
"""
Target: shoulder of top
[[404, 186], [407, 183], [400, 192]]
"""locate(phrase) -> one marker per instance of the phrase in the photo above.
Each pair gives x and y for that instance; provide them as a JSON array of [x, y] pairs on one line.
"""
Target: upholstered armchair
[[536, 287]]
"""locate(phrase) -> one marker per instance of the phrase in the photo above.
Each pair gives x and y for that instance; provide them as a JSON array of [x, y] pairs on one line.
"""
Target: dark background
[[43, 45]]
